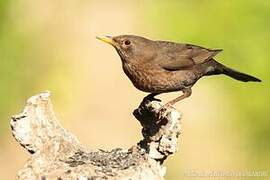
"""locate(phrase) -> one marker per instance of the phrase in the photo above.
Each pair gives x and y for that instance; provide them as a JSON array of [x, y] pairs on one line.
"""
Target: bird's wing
[[183, 56]]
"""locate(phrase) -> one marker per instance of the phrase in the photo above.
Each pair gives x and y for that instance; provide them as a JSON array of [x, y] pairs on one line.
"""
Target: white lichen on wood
[[57, 154]]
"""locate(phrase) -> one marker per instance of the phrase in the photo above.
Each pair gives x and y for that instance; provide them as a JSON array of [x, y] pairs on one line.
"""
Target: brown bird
[[161, 66]]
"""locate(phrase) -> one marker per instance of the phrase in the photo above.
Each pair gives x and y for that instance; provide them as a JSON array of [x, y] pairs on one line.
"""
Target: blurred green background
[[51, 45]]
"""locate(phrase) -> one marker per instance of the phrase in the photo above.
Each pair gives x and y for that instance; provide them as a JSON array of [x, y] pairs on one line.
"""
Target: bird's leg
[[163, 109], [151, 97], [186, 93]]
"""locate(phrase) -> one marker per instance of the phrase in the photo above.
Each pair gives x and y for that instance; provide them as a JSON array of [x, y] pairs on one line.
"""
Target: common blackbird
[[161, 66]]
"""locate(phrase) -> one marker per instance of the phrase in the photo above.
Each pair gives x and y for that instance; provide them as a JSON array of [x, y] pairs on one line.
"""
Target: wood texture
[[57, 154]]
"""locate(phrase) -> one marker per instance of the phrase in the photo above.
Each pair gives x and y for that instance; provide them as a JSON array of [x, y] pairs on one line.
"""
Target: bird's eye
[[127, 42]]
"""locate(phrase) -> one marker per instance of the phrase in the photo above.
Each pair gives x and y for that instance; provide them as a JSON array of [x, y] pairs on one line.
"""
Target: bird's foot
[[155, 109], [151, 97]]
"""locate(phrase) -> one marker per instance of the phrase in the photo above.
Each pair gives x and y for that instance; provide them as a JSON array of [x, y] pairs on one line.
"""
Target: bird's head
[[131, 48]]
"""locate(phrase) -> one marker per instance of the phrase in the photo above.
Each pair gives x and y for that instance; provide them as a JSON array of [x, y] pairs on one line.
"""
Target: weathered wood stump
[[57, 154]]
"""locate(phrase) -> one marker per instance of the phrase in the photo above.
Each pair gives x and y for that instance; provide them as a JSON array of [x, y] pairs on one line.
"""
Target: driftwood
[[57, 154]]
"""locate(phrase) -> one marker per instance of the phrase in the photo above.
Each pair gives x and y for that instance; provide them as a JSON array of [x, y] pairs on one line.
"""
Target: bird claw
[[151, 98], [155, 99]]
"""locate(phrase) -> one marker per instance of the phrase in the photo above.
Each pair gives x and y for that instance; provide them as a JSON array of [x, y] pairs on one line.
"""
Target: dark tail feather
[[239, 76], [221, 69]]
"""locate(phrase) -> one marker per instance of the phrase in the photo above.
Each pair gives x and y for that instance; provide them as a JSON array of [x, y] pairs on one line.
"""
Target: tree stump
[[57, 154]]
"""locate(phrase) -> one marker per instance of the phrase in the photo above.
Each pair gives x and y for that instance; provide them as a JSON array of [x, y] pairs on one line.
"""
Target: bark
[[57, 154]]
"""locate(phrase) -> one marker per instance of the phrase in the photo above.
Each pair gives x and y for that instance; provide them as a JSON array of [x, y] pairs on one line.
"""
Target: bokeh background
[[51, 45]]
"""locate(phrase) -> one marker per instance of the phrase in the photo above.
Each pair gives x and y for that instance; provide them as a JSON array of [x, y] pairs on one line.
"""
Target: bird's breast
[[151, 78]]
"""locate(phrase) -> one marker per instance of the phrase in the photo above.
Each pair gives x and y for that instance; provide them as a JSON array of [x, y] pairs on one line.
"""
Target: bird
[[157, 67]]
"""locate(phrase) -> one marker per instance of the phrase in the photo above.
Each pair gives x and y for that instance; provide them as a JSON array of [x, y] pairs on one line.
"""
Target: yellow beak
[[106, 39]]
